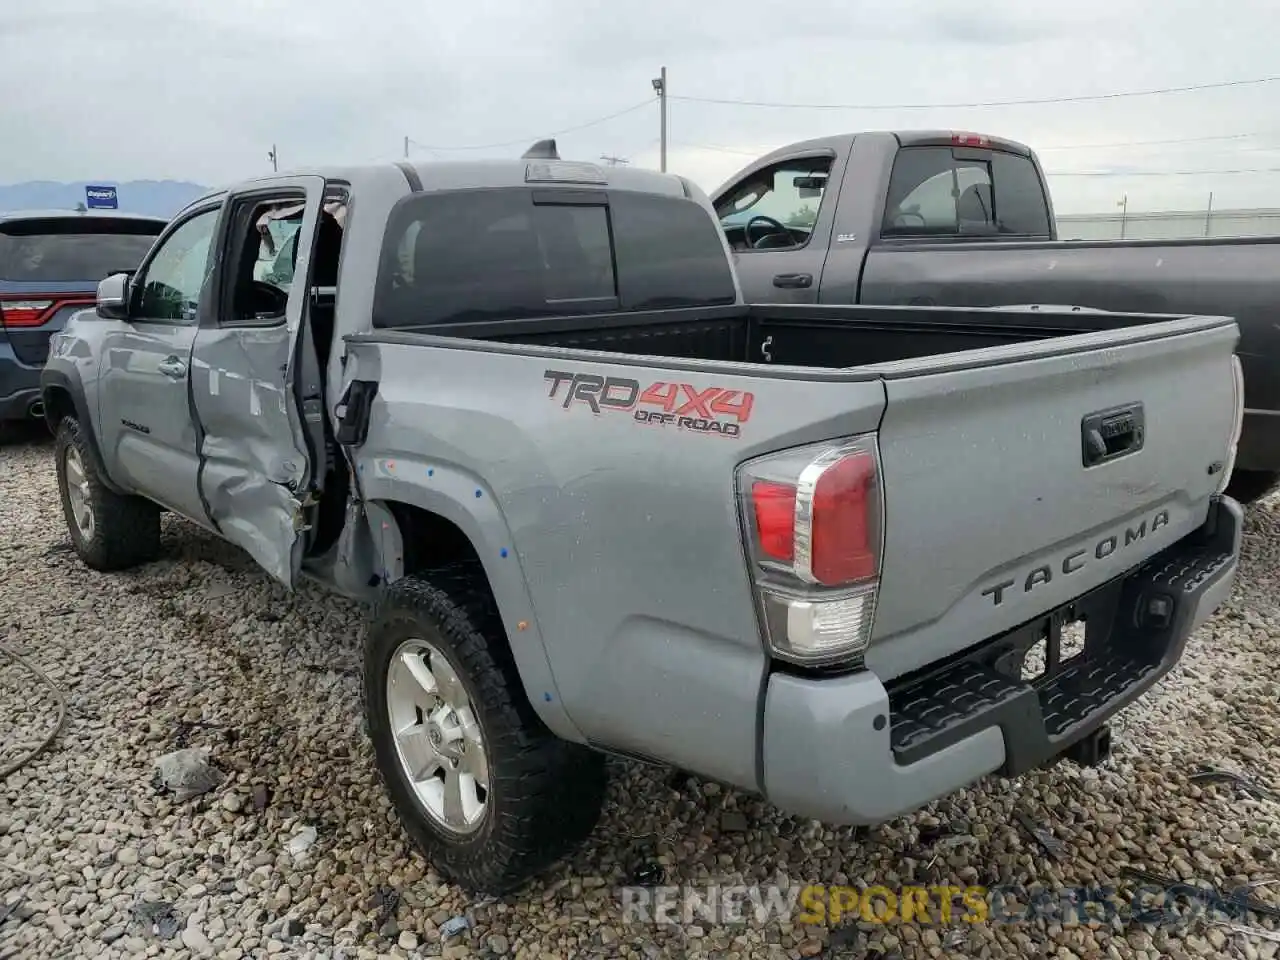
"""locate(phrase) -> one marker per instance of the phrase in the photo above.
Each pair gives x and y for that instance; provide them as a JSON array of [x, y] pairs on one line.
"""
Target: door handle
[[793, 281], [173, 367]]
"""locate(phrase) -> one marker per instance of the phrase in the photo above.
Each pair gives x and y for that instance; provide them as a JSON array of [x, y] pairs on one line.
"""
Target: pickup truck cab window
[[516, 253], [482, 256], [775, 208], [278, 246], [262, 252], [942, 191], [171, 285]]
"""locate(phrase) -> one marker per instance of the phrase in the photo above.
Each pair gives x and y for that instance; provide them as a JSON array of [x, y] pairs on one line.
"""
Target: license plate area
[[1043, 649]]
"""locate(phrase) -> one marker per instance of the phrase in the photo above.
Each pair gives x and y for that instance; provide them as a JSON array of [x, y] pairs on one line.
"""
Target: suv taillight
[[813, 518], [25, 313]]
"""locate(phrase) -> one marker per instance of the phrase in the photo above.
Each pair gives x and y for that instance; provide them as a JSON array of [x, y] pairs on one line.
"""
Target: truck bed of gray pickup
[[601, 504]]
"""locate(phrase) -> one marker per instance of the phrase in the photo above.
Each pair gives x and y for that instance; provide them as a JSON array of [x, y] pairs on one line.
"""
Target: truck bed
[[833, 337], [973, 402]]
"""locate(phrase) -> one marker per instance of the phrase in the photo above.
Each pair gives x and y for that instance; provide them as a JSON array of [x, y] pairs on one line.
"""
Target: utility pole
[[660, 87], [406, 148], [1208, 215], [1124, 213], [614, 161], [275, 163]]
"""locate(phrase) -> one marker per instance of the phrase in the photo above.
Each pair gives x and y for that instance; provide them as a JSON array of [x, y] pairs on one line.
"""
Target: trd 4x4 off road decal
[[717, 411]]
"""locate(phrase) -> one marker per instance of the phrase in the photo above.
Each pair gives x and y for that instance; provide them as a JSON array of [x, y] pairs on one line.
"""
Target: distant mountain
[[157, 198]]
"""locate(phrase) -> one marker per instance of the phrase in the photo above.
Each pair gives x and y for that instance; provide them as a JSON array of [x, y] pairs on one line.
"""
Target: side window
[[935, 191], [175, 278], [264, 247], [266, 241], [277, 250], [775, 208]]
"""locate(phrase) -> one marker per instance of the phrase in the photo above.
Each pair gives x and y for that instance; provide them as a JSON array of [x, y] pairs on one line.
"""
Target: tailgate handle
[[1110, 434]]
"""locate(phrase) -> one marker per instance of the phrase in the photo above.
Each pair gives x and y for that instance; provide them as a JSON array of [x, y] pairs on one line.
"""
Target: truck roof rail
[[542, 150]]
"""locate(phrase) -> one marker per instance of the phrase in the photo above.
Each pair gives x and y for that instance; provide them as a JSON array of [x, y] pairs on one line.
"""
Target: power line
[[1042, 149], [718, 149], [525, 141], [1149, 143], [1037, 101], [1159, 173]]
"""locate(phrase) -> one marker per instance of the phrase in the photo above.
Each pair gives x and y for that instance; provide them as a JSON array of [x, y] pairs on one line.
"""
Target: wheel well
[[58, 405], [430, 540]]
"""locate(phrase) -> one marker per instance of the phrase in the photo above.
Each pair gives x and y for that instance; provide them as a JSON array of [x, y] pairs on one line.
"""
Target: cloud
[[126, 89]]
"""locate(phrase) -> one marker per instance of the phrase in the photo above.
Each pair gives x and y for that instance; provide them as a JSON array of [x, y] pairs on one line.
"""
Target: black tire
[[126, 529], [545, 794], [1249, 486]]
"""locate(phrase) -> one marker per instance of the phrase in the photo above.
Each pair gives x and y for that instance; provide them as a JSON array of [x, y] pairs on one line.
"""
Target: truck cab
[[801, 218]]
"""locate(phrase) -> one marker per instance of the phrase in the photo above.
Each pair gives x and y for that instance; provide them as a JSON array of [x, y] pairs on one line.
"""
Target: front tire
[[1249, 486], [488, 794], [109, 531]]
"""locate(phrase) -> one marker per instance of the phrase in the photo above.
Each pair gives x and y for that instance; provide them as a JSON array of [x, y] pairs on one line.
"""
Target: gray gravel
[[202, 651]]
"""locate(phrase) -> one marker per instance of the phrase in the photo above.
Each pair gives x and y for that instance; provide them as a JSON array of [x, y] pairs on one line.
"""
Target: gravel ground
[[202, 650]]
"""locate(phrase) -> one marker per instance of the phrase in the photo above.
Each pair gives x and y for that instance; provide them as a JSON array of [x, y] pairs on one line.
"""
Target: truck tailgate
[[1019, 477]]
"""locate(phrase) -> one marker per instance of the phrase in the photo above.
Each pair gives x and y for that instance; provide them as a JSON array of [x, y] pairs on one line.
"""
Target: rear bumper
[[19, 385], [850, 750], [1259, 447]]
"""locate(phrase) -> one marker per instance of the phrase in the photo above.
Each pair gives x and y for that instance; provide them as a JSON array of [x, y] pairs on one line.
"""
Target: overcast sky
[[116, 90]]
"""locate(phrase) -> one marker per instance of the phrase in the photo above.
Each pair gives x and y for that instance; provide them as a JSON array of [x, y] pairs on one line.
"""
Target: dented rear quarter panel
[[615, 543]]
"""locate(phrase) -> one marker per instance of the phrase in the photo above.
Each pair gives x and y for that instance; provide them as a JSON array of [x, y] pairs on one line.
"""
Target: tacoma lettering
[[1077, 560]]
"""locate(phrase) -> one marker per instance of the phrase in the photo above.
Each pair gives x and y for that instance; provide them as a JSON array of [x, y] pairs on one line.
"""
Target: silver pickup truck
[[835, 556]]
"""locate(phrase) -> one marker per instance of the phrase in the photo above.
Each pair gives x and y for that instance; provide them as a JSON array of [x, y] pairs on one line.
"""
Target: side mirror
[[113, 297]]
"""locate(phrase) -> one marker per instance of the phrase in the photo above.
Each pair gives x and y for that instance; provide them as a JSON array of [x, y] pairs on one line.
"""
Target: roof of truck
[[839, 143], [484, 174]]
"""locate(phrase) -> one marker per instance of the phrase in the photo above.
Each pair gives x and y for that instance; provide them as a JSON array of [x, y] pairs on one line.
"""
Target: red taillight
[[970, 140], [842, 551], [775, 510], [812, 517], [25, 313]]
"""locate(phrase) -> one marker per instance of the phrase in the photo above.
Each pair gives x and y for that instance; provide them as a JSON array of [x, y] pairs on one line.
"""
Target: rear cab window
[[942, 191], [72, 249], [523, 252]]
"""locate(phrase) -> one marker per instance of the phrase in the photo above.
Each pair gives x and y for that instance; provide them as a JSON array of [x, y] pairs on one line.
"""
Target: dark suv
[[50, 265]]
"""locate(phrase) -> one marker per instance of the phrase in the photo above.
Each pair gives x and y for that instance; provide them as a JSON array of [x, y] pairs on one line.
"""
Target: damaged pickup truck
[[600, 504]]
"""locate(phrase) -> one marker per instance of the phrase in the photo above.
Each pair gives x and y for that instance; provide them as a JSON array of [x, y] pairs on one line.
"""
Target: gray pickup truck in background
[[828, 555], [930, 218]]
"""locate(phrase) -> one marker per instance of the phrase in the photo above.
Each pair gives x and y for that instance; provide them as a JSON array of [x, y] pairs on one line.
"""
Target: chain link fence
[[1170, 225]]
